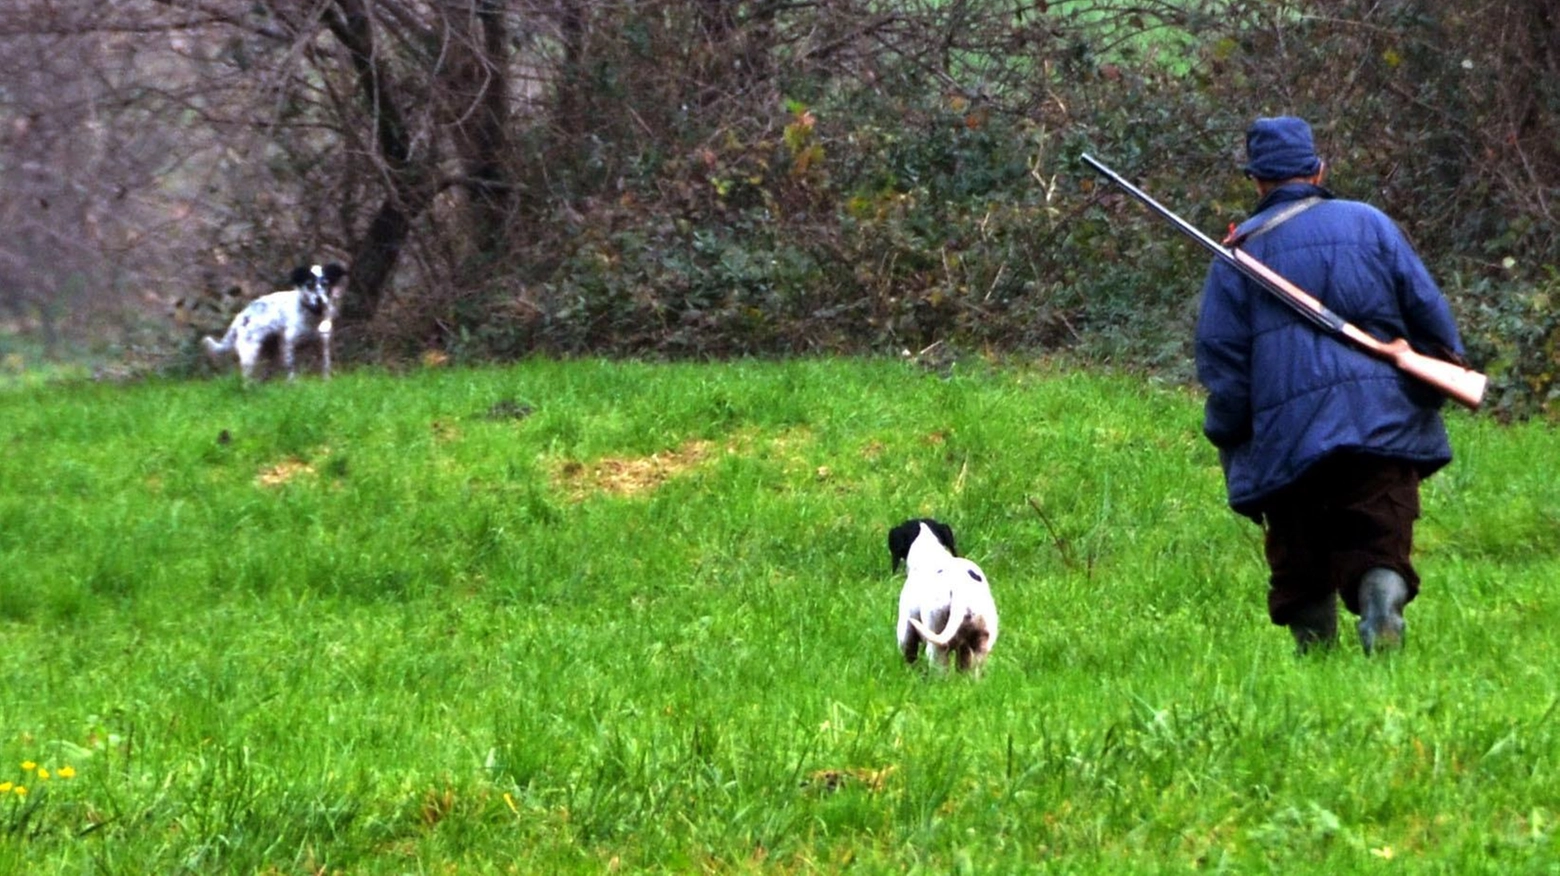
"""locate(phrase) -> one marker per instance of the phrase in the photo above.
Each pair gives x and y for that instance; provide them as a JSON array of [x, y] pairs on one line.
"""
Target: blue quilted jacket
[[1282, 395]]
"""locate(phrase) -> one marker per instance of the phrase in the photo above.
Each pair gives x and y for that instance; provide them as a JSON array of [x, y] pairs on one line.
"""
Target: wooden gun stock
[[1462, 385]]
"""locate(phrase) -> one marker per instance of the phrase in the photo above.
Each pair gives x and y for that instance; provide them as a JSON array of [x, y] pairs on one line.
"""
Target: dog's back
[[960, 618]]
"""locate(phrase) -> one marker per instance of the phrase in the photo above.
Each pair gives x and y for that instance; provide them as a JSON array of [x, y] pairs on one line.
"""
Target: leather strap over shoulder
[[1289, 212]]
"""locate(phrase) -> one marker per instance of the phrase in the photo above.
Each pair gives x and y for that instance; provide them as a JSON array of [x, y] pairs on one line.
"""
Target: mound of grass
[[608, 616]]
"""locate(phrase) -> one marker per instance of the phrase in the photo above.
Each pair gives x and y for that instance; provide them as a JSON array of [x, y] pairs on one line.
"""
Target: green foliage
[[1517, 333], [586, 616]]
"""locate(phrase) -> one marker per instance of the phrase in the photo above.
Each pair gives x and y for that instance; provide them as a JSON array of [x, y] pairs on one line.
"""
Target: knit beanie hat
[[1280, 148]]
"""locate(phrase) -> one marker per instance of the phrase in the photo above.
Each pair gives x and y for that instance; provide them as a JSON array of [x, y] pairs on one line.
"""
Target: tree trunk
[[410, 183], [481, 92], [569, 111]]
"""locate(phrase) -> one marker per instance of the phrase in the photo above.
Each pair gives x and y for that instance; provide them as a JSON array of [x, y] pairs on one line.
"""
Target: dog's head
[[320, 286], [901, 537]]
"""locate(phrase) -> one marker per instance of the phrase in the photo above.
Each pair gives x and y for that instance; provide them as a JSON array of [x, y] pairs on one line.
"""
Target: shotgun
[[1463, 385]]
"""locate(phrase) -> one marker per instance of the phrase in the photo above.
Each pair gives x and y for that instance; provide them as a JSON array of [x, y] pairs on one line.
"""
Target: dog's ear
[[334, 273], [899, 540], [301, 275], [944, 534]]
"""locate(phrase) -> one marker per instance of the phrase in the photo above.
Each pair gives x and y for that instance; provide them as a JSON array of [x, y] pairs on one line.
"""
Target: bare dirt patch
[[636, 475], [283, 472], [630, 476]]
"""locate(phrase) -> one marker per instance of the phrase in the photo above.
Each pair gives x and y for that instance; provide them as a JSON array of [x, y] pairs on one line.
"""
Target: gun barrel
[[1164, 212], [1287, 292]]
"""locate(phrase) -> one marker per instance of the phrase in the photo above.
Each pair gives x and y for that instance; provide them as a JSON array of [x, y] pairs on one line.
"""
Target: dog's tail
[[955, 623], [215, 347]]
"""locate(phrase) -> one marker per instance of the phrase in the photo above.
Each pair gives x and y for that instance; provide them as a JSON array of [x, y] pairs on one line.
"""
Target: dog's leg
[[949, 617], [909, 641], [325, 329], [290, 355], [248, 356]]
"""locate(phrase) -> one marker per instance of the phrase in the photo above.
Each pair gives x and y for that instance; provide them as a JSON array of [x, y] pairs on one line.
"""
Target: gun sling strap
[[1289, 212]]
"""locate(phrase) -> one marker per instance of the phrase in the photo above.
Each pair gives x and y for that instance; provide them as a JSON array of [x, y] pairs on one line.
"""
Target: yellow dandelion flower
[[43, 774], [28, 766], [20, 790], [5, 787], [67, 772]]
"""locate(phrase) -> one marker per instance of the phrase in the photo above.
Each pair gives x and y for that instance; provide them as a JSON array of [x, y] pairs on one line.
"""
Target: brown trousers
[[1346, 515]]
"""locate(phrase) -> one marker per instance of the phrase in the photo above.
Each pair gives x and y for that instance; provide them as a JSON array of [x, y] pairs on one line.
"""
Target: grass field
[[619, 617]]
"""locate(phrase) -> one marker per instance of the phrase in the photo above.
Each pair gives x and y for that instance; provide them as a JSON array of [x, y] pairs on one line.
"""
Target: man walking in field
[[1321, 443]]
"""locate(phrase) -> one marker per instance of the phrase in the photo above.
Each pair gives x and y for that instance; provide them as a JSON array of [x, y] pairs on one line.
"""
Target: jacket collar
[[1291, 192]]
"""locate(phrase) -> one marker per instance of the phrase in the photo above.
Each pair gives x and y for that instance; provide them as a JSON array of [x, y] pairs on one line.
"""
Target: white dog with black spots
[[946, 601], [286, 319]]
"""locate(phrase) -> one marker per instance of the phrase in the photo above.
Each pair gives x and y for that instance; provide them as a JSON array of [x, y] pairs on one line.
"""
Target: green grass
[[393, 624]]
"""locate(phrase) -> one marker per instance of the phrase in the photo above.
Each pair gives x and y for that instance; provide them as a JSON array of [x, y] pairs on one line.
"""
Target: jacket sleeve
[[1426, 313], [1224, 358]]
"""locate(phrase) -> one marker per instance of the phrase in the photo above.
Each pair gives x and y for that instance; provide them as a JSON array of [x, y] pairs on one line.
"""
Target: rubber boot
[[1315, 625], [1383, 593]]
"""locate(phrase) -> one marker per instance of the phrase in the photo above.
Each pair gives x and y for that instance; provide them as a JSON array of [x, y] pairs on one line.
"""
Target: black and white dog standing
[[286, 319], [946, 601]]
